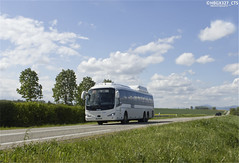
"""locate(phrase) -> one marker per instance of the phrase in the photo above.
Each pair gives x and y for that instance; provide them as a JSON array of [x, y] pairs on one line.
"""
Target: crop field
[[186, 112], [208, 140]]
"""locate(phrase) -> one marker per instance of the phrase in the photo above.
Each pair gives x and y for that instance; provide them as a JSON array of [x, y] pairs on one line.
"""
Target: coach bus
[[114, 102]]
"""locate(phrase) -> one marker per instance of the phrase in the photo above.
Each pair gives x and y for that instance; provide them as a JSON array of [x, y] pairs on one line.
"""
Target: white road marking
[[61, 129], [52, 137]]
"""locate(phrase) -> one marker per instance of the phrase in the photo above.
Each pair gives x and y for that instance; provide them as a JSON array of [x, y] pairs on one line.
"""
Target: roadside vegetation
[[234, 111], [28, 114], [207, 140]]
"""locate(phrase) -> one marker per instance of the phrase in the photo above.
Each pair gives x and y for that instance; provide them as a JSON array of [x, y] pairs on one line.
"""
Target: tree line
[[65, 90]]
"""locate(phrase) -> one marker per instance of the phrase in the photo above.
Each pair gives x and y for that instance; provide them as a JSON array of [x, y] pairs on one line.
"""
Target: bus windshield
[[100, 99]]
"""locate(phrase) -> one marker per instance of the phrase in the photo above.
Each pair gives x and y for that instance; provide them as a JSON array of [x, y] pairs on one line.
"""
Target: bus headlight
[[88, 115], [113, 114]]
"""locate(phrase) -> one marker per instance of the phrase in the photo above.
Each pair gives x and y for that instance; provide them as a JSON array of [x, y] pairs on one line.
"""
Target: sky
[[184, 52]]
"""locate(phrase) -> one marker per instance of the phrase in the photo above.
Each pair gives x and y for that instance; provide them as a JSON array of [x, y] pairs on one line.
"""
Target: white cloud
[[185, 59], [233, 68], [217, 30], [205, 59], [236, 54], [188, 59], [172, 84], [177, 90], [8, 88], [86, 25], [191, 72], [127, 66], [47, 85], [118, 67], [32, 43], [170, 91], [161, 46], [225, 94]]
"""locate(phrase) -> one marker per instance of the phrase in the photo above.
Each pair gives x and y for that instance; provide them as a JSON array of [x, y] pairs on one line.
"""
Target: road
[[12, 138]]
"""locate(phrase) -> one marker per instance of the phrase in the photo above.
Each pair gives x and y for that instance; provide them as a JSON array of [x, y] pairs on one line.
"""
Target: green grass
[[207, 140], [47, 125]]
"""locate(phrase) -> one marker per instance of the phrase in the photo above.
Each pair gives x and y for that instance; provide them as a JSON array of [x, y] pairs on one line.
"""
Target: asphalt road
[[12, 138]]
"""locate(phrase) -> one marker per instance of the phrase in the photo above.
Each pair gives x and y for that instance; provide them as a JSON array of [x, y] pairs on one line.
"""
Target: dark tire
[[100, 123], [125, 120], [145, 118]]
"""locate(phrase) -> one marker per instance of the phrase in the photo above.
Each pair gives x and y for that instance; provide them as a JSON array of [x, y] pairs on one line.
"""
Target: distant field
[[207, 140], [186, 111]]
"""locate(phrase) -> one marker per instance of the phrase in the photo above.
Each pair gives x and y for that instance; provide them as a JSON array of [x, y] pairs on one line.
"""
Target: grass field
[[186, 112], [208, 140]]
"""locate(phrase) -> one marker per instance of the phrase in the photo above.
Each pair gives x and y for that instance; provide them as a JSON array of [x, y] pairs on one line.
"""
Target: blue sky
[[184, 52]]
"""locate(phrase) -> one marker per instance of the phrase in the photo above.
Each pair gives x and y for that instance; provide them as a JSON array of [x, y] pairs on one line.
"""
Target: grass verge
[[207, 140]]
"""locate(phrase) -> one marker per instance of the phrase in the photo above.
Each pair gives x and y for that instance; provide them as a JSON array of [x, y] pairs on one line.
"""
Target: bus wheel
[[100, 123], [125, 120], [145, 118]]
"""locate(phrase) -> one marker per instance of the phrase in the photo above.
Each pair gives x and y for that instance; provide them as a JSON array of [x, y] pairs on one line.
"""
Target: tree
[[234, 111], [30, 88], [107, 81], [65, 87], [85, 85]]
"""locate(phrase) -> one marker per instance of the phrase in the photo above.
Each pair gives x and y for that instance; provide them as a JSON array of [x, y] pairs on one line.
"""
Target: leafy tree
[[107, 81], [65, 87], [30, 88], [85, 85]]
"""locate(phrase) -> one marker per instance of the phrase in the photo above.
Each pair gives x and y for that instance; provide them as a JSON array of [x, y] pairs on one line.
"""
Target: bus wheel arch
[[125, 120]]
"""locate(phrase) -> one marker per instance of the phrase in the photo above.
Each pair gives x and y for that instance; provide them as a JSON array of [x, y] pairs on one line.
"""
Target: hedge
[[25, 114], [234, 111]]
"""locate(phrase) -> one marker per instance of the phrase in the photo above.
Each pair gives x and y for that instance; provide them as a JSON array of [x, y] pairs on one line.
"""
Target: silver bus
[[114, 102]]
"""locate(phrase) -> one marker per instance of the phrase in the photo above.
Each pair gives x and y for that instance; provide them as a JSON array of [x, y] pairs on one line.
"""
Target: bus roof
[[137, 88]]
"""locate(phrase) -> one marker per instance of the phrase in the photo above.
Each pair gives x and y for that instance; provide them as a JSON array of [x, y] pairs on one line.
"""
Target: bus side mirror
[[117, 97], [83, 95]]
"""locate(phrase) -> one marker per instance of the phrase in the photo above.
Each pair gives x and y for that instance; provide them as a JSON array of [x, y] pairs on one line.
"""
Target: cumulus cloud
[[119, 66], [160, 46], [126, 66], [171, 90], [173, 84], [232, 68], [205, 59], [188, 59], [217, 30], [32, 42], [185, 59], [8, 88], [178, 89]]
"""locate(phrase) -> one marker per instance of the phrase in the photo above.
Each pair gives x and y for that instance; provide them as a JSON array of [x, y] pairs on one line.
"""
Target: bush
[[7, 113], [234, 111], [36, 114]]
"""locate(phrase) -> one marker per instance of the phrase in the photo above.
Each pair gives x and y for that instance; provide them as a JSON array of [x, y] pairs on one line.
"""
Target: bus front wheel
[[100, 123], [125, 120]]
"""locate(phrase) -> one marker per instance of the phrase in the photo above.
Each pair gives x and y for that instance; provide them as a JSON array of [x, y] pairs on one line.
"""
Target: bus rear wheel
[[145, 119]]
